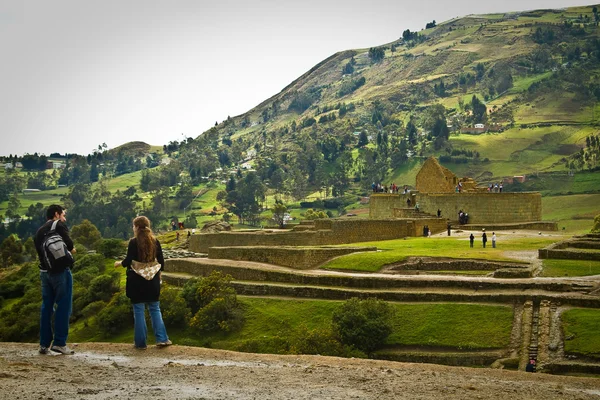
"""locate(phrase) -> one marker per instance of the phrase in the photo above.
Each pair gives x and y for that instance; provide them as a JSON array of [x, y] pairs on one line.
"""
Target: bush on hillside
[[116, 316], [111, 248], [363, 324], [11, 251], [175, 311], [596, 227], [86, 233], [213, 303], [312, 214]]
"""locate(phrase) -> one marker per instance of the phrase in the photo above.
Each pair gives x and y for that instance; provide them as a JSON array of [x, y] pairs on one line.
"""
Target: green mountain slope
[[536, 72]]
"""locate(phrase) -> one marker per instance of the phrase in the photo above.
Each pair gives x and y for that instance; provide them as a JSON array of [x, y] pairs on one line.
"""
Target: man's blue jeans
[[56, 289], [140, 331]]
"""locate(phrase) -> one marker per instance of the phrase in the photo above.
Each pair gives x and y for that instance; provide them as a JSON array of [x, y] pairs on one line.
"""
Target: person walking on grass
[[484, 238], [472, 239], [144, 262], [494, 240], [57, 282]]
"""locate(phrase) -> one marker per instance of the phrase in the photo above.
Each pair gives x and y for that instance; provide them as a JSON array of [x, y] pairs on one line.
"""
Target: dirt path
[[107, 371]]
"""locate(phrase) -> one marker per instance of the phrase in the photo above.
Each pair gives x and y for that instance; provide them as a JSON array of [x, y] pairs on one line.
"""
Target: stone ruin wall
[[285, 256], [483, 208], [327, 232]]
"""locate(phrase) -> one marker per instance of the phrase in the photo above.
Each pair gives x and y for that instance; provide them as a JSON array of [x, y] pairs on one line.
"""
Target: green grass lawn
[[573, 213], [570, 268], [463, 326], [580, 328], [393, 251], [271, 322]]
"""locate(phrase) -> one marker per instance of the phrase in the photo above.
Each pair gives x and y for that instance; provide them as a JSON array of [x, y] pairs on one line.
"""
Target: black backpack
[[56, 255]]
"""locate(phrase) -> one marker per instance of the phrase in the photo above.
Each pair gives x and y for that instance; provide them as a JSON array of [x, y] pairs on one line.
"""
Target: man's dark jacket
[[38, 240]]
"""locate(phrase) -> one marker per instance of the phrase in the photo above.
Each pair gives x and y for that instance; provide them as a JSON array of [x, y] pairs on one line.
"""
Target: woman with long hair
[[144, 261]]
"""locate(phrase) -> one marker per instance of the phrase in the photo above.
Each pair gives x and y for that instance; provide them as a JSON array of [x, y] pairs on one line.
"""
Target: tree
[[376, 54], [596, 227], [86, 233], [364, 324], [479, 110], [213, 303], [363, 140], [11, 251], [279, 210]]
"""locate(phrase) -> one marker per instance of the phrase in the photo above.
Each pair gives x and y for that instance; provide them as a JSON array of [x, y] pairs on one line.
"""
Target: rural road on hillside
[[117, 371]]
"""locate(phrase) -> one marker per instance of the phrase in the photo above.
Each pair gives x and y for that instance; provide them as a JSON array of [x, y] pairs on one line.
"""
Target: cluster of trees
[[348, 68], [376, 54], [587, 157], [350, 85]]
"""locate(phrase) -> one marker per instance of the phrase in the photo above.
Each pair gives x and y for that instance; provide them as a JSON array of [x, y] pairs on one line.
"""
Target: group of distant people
[[144, 262], [393, 188], [495, 188], [484, 239]]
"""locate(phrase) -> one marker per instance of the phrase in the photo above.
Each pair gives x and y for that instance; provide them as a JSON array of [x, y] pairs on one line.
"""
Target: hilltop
[[534, 74]]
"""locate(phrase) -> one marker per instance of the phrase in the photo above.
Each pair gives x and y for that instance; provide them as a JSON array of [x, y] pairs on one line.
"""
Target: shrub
[[87, 234], [213, 302], [94, 261], [316, 341], [11, 251], [596, 228], [103, 287], [312, 214], [111, 248], [363, 324], [93, 308], [174, 308], [116, 316]]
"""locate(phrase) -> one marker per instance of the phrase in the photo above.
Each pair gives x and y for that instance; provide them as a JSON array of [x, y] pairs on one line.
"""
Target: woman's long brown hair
[[146, 242]]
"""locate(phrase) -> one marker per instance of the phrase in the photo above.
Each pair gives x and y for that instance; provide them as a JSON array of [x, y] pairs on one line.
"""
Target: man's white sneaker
[[44, 350], [62, 350], [164, 344]]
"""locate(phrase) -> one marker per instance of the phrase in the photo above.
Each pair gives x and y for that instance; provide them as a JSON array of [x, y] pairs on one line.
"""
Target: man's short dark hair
[[53, 209]]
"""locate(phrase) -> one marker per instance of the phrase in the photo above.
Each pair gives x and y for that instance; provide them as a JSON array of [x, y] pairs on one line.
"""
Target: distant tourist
[[57, 282], [144, 262], [417, 206], [408, 202], [494, 240], [472, 239], [500, 187], [530, 366], [484, 238], [439, 213], [189, 234]]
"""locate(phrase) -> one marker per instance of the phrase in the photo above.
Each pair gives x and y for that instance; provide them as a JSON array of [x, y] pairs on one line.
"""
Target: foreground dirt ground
[[110, 371]]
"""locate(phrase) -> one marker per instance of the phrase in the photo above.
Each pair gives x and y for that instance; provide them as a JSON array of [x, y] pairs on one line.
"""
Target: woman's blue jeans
[[140, 331], [56, 289]]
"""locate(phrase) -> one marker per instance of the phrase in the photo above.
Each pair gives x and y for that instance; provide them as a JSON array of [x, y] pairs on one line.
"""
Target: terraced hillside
[[517, 318]]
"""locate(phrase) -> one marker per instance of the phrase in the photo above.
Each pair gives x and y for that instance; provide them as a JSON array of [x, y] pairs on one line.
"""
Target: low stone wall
[[533, 226], [293, 257], [483, 208], [327, 232], [204, 268], [567, 250], [585, 244], [464, 359], [403, 296], [453, 265]]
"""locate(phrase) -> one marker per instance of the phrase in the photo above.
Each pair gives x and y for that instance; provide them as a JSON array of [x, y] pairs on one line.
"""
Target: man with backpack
[[55, 248]]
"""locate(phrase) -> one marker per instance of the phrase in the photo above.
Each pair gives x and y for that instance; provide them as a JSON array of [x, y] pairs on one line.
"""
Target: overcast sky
[[75, 74]]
